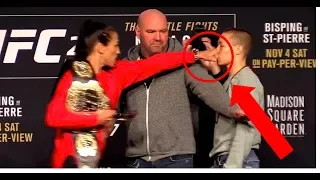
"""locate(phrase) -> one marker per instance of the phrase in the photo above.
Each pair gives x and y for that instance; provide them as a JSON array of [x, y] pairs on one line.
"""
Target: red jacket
[[124, 74]]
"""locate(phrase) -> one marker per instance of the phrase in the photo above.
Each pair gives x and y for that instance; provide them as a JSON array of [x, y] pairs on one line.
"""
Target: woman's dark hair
[[90, 32]]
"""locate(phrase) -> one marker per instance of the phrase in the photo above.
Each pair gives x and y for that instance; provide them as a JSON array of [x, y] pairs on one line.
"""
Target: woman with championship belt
[[83, 101]]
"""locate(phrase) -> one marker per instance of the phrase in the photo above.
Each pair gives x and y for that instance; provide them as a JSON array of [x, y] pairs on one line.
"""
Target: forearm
[[137, 71], [58, 116], [217, 72]]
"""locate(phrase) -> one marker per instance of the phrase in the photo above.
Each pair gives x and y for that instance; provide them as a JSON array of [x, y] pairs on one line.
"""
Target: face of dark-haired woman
[[111, 51]]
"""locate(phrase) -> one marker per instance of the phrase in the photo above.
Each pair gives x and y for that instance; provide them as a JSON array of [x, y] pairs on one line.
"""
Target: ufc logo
[[40, 55]]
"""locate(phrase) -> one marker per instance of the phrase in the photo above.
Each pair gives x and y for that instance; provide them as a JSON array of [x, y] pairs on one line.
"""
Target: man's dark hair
[[241, 37]]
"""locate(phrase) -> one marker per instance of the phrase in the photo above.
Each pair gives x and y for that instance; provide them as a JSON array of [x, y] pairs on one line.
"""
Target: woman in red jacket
[[84, 99]]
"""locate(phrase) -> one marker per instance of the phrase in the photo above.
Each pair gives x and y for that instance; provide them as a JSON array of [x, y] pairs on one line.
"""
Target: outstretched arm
[[58, 116], [132, 72]]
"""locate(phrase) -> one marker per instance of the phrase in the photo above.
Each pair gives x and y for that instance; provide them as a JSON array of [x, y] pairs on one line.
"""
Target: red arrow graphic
[[241, 96]]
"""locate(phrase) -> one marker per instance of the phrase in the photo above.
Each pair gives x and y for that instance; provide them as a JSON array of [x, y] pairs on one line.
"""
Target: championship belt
[[86, 95]]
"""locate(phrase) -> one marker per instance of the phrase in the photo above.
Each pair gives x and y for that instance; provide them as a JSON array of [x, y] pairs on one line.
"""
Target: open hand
[[208, 55]]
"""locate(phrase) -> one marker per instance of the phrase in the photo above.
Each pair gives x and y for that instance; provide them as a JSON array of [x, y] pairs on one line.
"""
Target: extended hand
[[209, 65], [208, 55]]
